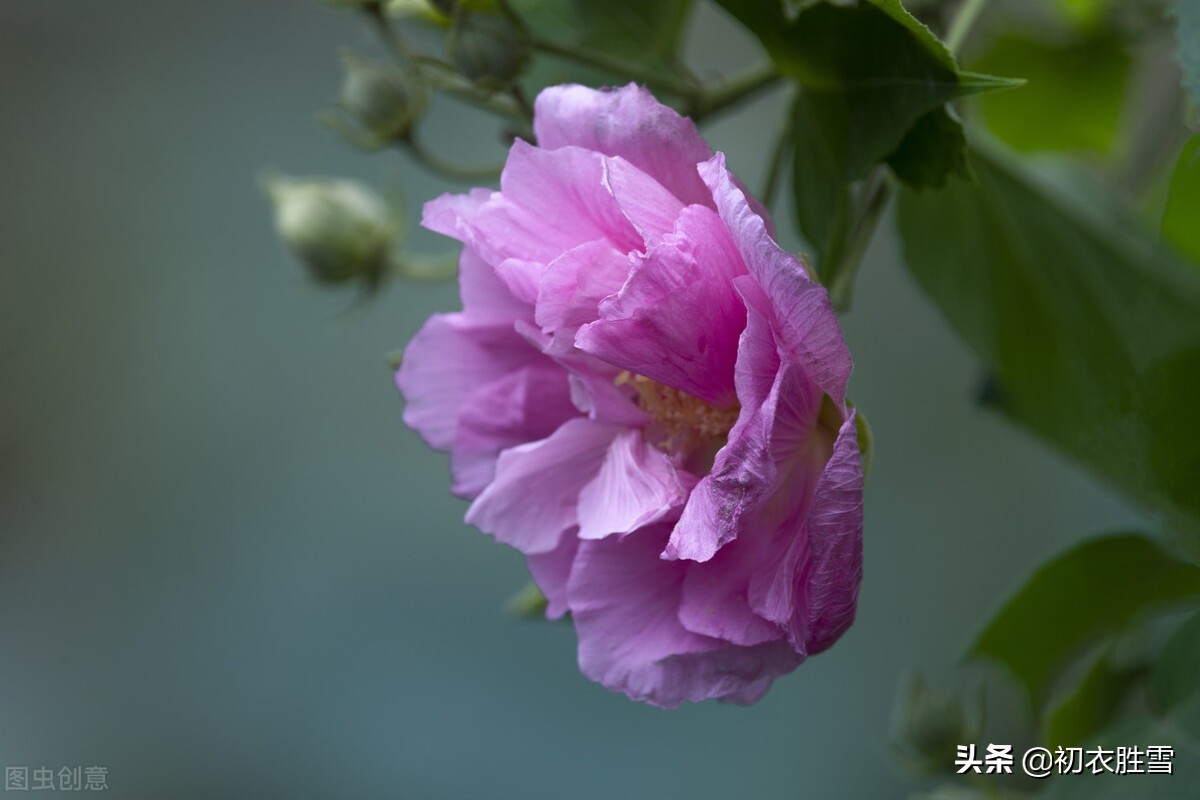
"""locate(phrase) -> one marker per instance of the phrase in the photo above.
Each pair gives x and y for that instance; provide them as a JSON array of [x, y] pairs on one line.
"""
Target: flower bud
[[381, 97], [928, 725], [340, 230], [488, 48]]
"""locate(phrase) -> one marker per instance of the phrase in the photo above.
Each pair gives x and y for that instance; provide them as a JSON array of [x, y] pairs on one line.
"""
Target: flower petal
[[550, 571], [624, 602], [835, 541], [446, 362], [798, 309], [626, 122], [813, 589], [523, 406], [573, 284], [677, 318], [645, 202], [714, 597], [637, 485], [559, 466]]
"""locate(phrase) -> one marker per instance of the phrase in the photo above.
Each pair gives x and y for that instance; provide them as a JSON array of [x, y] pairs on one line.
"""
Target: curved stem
[[876, 190], [601, 61], [436, 163], [873, 199], [414, 267], [443, 77], [783, 142], [711, 101]]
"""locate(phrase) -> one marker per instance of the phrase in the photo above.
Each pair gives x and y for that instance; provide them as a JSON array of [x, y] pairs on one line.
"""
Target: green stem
[[876, 190], [873, 198], [444, 80], [436, 163], [965, 19], [710, 101], [591, 58], [783, 143], [414, 267]]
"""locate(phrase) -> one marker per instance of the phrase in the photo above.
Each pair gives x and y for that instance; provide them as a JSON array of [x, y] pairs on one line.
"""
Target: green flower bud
[[340, 230], [490, 49], [928, 725], [381, 97]]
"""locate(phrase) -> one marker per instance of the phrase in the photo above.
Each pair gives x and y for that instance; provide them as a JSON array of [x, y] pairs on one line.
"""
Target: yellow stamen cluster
[[688, 422]]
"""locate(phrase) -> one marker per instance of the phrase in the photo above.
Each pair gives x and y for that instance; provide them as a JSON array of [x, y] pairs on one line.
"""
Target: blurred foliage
[[1075, 94], [1088, 594], [1181, 221], [1090, 325]]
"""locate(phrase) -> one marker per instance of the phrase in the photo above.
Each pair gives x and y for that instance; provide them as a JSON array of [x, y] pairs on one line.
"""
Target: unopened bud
[[488, 48], [381, 97], [340, 230], [928, 725]]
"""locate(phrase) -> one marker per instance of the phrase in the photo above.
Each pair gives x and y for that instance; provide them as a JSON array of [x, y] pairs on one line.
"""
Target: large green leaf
[[1181, 221], [934, 149], [1091, 704], [645, 34], [1187, 21], [1074, 97], [1176, 673], [1179, 731], [1091, 327], [873, 83], [1092, 591]]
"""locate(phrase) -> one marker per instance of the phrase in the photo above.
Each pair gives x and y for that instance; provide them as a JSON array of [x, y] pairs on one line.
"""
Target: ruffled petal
[[624, 601], [626, 122], [573, 284], [523, 406], [645, 202], [534, 497], [835, 542], [446, 362], [637, 485], [550, 572], [812, 590], [714, 601], [677, 318], [797, 308], [485, 296]]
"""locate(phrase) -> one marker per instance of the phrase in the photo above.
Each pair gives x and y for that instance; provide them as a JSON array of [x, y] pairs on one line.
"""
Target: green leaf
[[933, 150], [1181, 221], [639, 33], [1092, 591], [1091, 328], [1180, 731], [1187, 28], [1176, 673], [1074, 97], [1092, 704], [638, 30], [873, 82], [868, 78]]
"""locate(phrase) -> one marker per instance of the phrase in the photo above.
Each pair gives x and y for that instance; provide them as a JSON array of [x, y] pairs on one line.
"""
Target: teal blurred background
[[228, 570]]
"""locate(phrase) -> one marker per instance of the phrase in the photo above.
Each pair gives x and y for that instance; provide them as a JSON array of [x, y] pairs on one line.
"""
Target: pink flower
[[645, 395]]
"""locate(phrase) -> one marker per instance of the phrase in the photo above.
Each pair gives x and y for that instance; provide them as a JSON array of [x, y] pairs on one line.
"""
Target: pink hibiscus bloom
[[645, 395]]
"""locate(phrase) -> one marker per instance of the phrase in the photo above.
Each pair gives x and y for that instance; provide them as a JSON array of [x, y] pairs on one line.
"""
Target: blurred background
[[226, 567]]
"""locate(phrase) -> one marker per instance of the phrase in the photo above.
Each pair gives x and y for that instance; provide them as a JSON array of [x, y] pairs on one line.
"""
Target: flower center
[[683, 423]]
